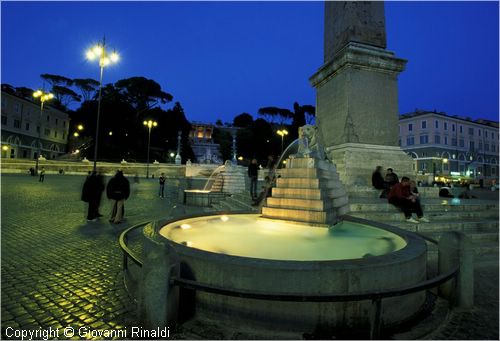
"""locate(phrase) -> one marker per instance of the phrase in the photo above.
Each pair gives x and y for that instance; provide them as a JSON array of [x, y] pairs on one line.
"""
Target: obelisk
[[357, 93]]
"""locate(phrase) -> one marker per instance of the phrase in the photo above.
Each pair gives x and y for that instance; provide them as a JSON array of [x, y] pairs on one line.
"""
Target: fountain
[[224, 180], [302, 243]]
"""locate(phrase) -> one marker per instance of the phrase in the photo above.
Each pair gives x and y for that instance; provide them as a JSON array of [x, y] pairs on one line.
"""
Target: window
[[486, 147], [27, 126], [16, 107], [38, 129], [424, 139], [452, 127], [410, 141], [55, 133], [424, 124], [437, 139], [48, 118], [461, 129], [57, 121], [453, 141], [493, 148], [64, 124], [486, 133], [480, 146], [47, 132], [471, 131], [17, 124], [4, 120], [445, 125], [461, 143], [410, 126], [64, 135], [471, 145], [479, 132], [446, 140], [423, 166], [436, 124], [399, 142]]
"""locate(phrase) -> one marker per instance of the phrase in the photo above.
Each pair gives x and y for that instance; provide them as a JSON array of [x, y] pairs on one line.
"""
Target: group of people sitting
[[402, 194]]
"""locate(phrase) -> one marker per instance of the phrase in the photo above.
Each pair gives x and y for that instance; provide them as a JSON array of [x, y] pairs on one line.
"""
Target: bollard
[[158, 299], [455, 248]]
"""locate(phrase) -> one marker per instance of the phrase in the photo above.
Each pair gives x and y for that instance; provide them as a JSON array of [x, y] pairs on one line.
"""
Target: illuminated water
[[249, 235]]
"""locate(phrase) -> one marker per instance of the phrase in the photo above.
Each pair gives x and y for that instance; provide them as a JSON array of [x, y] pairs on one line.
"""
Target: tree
[[276, 115], [24, 92], [56, 80], [142, 93], [65, 95], [243, 120], [88, 87]]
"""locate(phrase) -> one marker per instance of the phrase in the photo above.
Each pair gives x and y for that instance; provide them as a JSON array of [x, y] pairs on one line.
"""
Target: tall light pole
[[43, 97], [282, 133], [150, 124], [99, 52]]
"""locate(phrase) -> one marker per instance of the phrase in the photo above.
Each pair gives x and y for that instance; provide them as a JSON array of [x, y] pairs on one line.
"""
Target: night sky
[[220, 59]]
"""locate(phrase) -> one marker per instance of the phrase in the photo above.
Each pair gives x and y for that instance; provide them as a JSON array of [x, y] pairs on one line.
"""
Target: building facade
[[25, 130], [450, 145], [204, 148]]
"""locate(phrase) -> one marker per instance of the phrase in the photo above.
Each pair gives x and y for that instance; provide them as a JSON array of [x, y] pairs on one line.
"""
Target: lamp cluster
[[44, 96], [99, 52]]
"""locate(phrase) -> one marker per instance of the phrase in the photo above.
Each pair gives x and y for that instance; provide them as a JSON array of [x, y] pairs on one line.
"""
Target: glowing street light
[[150, 124], [282, 133], [99, 53], [44, 96], [79, 127]]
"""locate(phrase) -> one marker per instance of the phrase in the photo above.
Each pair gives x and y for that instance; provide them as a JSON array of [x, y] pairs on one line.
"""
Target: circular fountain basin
[[248, 235], [247, 252]]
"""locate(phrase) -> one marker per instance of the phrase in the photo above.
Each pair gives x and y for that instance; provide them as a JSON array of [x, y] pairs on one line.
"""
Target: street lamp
[[282, 133], [99, 52], [150, 124], [44, 96]]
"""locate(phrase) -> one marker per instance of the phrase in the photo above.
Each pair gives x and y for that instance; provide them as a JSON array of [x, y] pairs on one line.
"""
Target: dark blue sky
[[220, 59]]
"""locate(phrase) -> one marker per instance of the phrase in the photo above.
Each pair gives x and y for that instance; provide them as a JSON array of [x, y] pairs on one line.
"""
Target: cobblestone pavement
[[59, 270]]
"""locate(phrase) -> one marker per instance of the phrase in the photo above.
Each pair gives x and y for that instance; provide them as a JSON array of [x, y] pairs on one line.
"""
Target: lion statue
[[309, 144]]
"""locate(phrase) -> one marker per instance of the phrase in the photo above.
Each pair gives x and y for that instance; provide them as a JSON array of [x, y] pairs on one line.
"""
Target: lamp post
[[150, 124], [99, 52], [43, 97], [282, 133]]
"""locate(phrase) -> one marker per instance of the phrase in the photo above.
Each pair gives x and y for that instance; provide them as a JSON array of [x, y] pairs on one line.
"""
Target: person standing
[[118, 190], [161, 180], [400, 196], [253, 173], [91, 193], [42, 175]]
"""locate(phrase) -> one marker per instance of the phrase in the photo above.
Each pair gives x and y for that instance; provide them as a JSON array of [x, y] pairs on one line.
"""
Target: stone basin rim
[[414, 244]]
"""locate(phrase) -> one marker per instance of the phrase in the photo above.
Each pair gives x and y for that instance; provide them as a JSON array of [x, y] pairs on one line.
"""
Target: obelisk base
[[356, 162]]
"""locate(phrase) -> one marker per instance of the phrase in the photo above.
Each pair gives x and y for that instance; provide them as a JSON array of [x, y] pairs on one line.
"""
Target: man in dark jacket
[[253, 173], [91, 193], [377, 178], [118, 190]]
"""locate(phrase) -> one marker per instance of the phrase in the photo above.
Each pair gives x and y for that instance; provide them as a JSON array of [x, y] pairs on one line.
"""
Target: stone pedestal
[[308, 190], [356, 162]]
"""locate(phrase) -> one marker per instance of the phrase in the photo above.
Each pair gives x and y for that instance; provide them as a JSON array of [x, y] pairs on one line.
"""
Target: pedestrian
[[42, 175], [91, 193], [161, 180], [265, 193], [270, 166], [253, 173], [400, 196], [118, 190]]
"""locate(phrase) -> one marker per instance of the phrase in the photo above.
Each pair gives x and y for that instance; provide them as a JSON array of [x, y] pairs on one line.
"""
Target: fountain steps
[[309, 173], [395, 216], [428, 206], [308, 183], [307, 193], [370, 192], [312, 217]]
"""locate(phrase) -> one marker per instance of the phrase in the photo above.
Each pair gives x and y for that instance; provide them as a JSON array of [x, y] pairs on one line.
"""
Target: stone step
[[384, 206], [311, 173], [301, 204], [370, 192], [307, 183], [433, 216], [307, 193], [313, 217], [480, 249], [477, 238], [305, 162]]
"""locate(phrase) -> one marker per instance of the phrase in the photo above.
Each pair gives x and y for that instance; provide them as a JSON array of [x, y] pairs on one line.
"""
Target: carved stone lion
[[309, 144]]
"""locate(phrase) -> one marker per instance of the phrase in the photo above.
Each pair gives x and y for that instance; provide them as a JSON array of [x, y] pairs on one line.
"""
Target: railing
[[375, 297]]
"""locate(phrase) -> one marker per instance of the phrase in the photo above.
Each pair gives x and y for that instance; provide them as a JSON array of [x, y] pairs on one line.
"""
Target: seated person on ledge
[[401, 196]]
